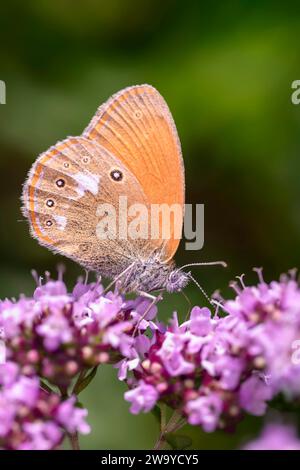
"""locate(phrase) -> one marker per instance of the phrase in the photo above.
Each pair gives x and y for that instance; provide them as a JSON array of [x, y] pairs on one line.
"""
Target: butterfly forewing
[[136, 126]]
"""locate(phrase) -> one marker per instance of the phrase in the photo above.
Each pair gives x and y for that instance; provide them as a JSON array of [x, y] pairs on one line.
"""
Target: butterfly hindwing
[[62, 196]]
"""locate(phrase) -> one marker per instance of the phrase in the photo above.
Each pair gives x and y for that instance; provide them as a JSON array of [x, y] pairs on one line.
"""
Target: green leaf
[[156, 413], [80, 386], [178, 441], [46, 387]]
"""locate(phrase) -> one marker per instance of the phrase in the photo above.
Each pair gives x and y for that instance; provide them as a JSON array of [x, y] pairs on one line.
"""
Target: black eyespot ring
[[60, 183], [116, 175], [50, 203], [49, 223], [66, 165]]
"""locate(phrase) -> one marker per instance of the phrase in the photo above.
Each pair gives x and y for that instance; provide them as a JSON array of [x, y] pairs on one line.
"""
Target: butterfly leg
[[86, 278], [119, 277], [147, 295], [154, 299]]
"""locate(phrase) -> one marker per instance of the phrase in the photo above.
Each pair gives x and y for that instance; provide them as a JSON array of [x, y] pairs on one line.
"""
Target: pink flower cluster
[[56, 334], [276, 436], [215, 368], [30, 417], [212, 368], [59, 337]]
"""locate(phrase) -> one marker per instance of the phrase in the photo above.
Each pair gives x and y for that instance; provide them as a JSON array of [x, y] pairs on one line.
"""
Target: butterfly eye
[[50, 203], [49, 223], [116, 175], [60, 183]]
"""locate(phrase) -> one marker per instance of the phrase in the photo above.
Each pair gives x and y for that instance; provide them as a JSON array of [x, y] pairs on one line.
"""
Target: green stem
[[74, 440], [175, 422]]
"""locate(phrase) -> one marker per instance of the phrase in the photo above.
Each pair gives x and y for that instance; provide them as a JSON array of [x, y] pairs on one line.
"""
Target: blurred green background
[[225, 69]]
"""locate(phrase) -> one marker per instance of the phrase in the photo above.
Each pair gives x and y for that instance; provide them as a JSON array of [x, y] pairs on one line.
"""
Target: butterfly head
[[177, 280]]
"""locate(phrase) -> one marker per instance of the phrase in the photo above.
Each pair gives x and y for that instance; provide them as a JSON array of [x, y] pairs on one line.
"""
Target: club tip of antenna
[[221, 263]]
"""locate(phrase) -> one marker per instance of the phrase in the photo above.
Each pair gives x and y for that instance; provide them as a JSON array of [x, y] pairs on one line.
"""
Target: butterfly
[[130, 147]]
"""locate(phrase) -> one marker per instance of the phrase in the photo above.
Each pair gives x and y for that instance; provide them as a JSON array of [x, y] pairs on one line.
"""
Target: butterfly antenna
[[201, 289], [151, 304], [211, 263]]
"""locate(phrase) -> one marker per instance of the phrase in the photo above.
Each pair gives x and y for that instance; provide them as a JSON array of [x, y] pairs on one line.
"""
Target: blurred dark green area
[[225, 69]]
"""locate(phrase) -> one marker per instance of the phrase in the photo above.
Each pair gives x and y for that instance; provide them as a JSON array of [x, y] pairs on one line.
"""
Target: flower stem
[[175, 422], [74, 440], [161, 442]]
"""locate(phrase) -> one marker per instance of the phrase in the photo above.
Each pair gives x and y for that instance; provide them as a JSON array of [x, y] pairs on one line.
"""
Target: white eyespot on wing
[[61, 221], [87, 182]]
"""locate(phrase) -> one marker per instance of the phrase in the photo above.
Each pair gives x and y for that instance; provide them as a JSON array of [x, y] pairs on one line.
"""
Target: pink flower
[[72, 418], [200, 321], [142, 398], [205, 411], [254, 393], [41, 436], [84, 328], [172, 357], [25, 390], [31, 418], [275, 437], [55, 330], [226, 364]]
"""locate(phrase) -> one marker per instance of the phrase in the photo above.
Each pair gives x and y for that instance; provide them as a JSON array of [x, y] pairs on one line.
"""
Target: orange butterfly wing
[[136, 126], [62, 194]]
